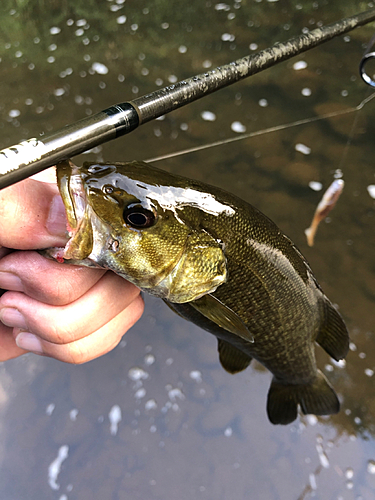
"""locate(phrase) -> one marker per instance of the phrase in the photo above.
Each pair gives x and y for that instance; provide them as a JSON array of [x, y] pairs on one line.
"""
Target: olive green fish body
[[218, 262], [272, 289]]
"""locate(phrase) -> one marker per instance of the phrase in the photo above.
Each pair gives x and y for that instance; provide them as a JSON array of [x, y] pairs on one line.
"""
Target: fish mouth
[[90, 238], [72, 192], [78, 213]]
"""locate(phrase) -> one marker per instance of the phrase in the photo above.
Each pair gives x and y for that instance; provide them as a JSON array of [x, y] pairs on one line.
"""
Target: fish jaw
[[79, 228], [89, 236], [72, 192]]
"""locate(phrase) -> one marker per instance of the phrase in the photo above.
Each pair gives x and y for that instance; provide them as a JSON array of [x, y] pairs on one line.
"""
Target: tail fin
[[333, 335], [318, 397]]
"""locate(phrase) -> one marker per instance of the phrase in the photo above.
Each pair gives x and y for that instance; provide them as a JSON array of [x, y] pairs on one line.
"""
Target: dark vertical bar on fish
[[34, 155]]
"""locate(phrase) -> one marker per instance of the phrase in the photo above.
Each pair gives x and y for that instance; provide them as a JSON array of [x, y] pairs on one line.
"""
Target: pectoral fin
[[213, 309], [232, 359]]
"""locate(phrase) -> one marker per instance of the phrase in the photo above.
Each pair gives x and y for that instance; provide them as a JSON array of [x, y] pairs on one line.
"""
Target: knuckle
[[59, 292], [77, 355], [138, 308], [59, 334]]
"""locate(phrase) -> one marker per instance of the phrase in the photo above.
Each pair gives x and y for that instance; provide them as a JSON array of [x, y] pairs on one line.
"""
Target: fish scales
[[265, 307], [216, 261]]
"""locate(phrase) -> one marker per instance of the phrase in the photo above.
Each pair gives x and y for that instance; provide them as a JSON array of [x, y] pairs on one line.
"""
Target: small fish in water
[[216, 261], [326, 204]]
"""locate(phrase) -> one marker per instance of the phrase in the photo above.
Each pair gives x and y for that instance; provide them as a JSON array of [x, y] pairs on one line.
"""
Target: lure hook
[[365, 77]]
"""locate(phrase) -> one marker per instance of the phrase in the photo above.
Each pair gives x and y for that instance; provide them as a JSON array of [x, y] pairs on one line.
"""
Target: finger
[[48, 175], [8, 347], [65, 324], [32, 215], [46, 280], [92, 346], [4, 251]]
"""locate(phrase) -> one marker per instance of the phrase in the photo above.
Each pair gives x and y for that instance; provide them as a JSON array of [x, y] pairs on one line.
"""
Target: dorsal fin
[[232, 359], [333, 335]]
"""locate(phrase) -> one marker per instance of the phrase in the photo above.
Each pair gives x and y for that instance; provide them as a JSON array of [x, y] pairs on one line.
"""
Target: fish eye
[[139, 217]]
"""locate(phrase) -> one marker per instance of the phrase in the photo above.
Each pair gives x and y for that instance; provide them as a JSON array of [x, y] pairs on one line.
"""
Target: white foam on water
[[208, 116], [137, 373], [140, 393], [302, 148], [175, 393], [300, 65], [50, 408], [115, 417], [151, 404], [55, 467], [73, 414], [99, 68], [315, 186], [238, 127], [196, 375], [228, 432]]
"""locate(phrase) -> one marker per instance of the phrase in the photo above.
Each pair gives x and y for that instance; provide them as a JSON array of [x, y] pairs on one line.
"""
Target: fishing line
[[265, 131], [367, 56], [348, 142]]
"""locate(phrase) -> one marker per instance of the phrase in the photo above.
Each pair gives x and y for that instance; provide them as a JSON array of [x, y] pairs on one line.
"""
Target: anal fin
[[333, 335], [317, 398], [232, 359]]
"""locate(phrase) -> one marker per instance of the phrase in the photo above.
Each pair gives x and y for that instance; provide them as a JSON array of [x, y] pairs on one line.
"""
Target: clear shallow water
[[158, 417]]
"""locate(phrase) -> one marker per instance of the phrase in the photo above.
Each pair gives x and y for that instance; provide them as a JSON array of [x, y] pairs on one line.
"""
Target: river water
[[158, 417]]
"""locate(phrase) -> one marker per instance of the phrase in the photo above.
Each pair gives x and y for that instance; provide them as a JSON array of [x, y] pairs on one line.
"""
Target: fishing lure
[[327, 203]]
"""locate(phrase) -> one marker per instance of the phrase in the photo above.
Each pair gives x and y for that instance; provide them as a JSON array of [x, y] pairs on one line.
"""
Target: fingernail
[[56, 221], [29, 342], [12, 317], [10, 281]]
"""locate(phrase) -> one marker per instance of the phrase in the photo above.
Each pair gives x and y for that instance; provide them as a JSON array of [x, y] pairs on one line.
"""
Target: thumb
[[32, 215]]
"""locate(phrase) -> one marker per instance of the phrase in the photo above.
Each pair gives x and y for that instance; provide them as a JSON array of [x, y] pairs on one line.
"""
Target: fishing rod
[[34, 155]]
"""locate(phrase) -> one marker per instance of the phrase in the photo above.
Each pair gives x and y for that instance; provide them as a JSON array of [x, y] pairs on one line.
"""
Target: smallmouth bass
[[216, 261]]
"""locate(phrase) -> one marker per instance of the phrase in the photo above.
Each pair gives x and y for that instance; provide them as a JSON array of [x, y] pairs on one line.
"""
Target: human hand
[[70, 313]]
